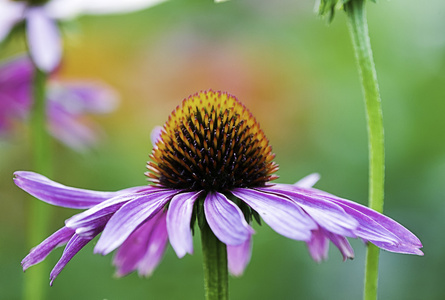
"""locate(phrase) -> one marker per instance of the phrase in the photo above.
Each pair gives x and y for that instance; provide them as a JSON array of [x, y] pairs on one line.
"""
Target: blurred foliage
[[297, 75]]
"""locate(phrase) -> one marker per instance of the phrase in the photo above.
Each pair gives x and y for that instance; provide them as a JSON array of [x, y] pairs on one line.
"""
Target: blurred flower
[[41, 18], [68, 103], [211, 162]]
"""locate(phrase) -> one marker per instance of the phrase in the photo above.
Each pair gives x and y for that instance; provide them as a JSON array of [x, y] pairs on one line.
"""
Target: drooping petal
[[157, 245], [179, 215], [226, 220], [75, 244], [328, 215], [45, 44], [129, 217], [238, 257], [40, 252], [143, 248], [318, 245], [280, 213], [342, 244], [372, 226], [155, 135], [80, 97], [62, 9], [72, 130], [89, 219], [308, 181], [58, 194], [11, 13], [400, 247], [381, 230]]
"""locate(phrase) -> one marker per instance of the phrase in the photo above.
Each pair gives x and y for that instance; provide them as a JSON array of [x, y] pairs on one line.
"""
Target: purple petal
[[15, 72], [144, 248], [318, 246], [373, 226], [156, 249], [179, 215], [84, 222], [308, 181], [342, 244], [15, 91], [325, 213], [44, 40], [381, 230], [72, 130], [75, 244], [238, 257], [129, 217], [10, 14], [401, 247], [57, 194], [40, 252], [226, 220], [155, 135], [80, 97], [279, 212]]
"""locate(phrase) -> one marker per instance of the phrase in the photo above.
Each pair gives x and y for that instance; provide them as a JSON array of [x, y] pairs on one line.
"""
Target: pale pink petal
[[308, 181], [82, 96], [238, 257], [44, 42], [68, 128], [155, 135]]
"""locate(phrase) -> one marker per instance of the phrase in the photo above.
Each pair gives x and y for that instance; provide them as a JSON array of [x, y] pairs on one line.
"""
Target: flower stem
[[215, 265], [36, 279], [358, 28]]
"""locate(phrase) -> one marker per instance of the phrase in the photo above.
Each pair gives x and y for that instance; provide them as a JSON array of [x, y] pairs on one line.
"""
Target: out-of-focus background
[[298, 77]]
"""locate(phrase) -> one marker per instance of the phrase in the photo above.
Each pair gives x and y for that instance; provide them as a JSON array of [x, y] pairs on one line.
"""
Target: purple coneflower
[[68, 103], [41, 17], [211, 162]]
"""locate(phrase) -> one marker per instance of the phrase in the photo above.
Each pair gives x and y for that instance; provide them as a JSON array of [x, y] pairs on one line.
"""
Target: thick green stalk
[[36, 278], [358, 28], [214, 254]]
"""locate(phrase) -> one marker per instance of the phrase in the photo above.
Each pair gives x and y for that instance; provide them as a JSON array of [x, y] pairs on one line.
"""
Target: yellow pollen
[[211, 142]]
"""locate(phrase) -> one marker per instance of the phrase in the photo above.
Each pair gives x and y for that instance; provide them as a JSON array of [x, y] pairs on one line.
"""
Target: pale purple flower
[[43, 34], [68, 103], [210, 161]]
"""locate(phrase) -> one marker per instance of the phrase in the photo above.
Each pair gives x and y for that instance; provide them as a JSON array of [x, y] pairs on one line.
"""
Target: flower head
[[212, 161], [68, 103], [41, 18]]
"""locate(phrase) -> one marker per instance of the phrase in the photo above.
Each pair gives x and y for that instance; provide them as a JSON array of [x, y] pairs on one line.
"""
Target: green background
[[298, 77]]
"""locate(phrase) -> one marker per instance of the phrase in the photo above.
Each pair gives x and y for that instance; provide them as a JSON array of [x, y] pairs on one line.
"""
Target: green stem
[[36, 278], [358, 28], [215, 265]]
